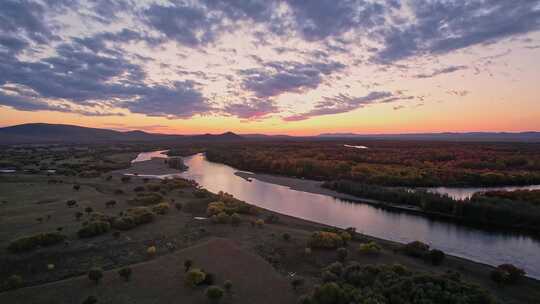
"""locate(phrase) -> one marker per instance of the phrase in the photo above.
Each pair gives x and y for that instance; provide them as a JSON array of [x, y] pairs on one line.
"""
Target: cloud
[[446, 70], [443, 26], [252, 109], [341, 103], [179, 100], [276, 78]]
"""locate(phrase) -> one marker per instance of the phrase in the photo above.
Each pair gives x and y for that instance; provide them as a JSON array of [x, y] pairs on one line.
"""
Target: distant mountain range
[[446, 136], [58, 133]]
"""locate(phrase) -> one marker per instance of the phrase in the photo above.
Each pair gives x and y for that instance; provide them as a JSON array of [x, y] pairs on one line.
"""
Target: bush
[[151, 251], [146, 199], [507, 274], [161, 208], [329, 293], [214, 293], [125, 222], [215, 208], [342, 254], [125, 273], [90, 300], [125, 179], [297, 282], [14, 282], [369, 248], [178, 206], [187, 265], [259, 223], [221, 218], [286, 237], [141, 215], [228, 286], [138, 189], [307, 251], [94, 228], [335, 268], [32, 242], [345, 236], [95, 275], [78, 215], [436, 257], [416, 249], [209, 279], [325, 240], [194, 277]]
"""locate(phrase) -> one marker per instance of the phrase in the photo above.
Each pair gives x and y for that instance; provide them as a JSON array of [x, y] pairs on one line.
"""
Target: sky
[[293, 67]]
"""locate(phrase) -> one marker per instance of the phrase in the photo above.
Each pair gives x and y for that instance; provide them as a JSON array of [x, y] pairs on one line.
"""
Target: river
[[490, 247]]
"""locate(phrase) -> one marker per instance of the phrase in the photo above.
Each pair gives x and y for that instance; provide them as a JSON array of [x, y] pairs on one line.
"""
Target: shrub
[[507, 274], [329, 293], [118, 191], [221, 218], [146, 199], [71, 203], [259, 223], [345, 236], [194, 277], [78, 215], [436, 256], [76, 187], [14, 282], [90, 300], [95, 274], [125, 222], [110, 203], [416, 249], [297, 282], [125, 273], [307, 251], [371, 248], [178, 206], [151, 251], [342, 254], [286, 237], [228, 286], [161, 208], [32, 242], [187, 265], [141, 215], [93, 229], [88, 210], [202, 193], [138, 189], [335, 268], [326, 240], [236, 219], [125, 179], [271, 219], [214, 293], [215, 208], [209, 279]]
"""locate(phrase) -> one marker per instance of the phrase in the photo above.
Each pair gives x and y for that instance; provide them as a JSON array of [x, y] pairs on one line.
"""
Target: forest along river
[[479, 245]]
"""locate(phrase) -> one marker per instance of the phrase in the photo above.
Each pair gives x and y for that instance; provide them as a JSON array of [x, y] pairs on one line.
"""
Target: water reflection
[[466, 193]]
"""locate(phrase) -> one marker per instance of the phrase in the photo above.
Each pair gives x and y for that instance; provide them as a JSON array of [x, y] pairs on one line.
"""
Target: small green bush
[[221, 218], [125, 273], [14, 282], [194, 277], [178, 206], [286, 237], [94, 228], [90, 300], [416, 249], [32, 242], [436, 257], [95, 274], [161, 208], [507, 274], [297, 282], [325, 240], [214, 293], [228, 286], [125, 222], [370, 248], [342, 254]]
